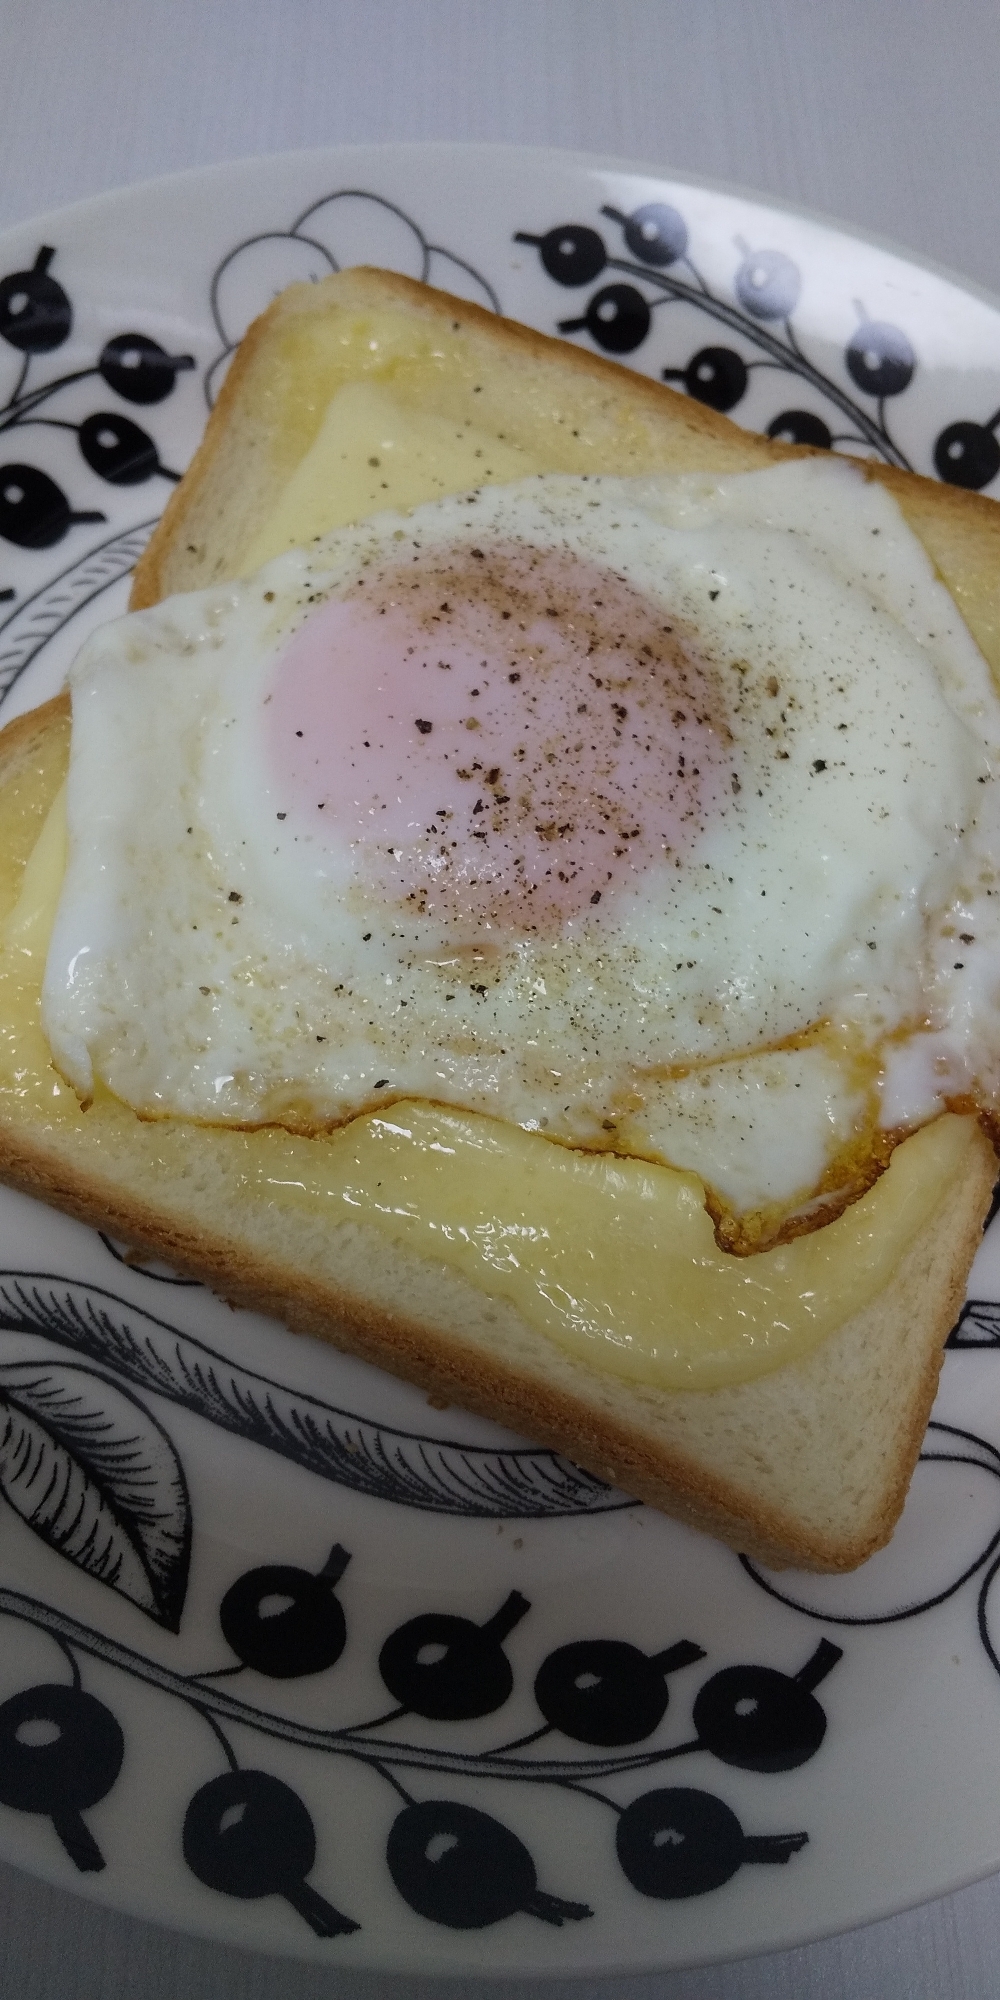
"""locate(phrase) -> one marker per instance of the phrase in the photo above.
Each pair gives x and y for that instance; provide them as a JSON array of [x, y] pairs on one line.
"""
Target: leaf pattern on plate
[[98, 1479], [978, 1325], [438, 1475], [26, 632]]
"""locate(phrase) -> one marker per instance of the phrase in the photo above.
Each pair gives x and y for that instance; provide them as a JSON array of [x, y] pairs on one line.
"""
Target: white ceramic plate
[[187, 1488]]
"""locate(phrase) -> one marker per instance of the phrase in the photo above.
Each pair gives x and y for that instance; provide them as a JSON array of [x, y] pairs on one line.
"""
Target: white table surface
[[884, 116]]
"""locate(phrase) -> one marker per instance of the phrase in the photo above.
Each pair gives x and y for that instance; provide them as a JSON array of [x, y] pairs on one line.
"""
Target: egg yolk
[[503, 740]]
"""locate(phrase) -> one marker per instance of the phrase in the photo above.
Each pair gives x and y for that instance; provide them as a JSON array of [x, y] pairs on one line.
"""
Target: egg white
[[748, 1006]]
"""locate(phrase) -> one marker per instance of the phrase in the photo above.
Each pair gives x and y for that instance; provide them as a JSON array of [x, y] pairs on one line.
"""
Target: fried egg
[[658, 816]]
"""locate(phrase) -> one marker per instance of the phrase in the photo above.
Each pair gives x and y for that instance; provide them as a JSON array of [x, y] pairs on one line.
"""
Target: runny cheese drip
[[616, 1260]]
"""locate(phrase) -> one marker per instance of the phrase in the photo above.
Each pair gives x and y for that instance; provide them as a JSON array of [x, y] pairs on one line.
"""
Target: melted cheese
[[373, 453], [28, 926], [616, 1260]]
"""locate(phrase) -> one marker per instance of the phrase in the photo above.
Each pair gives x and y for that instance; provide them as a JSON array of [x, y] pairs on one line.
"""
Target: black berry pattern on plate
[[968, 454], [761, 1720], [676, 1843], [606, 1691], [34, 511], [36, 317], [248, 1834], [450, 1669], [461, 1867], [35, 312], [658, 269], [342, 227], [60, 1751], [285, 1621]]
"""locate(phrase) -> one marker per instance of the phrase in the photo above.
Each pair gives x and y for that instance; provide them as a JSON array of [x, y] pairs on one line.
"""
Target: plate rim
[[555, 156]]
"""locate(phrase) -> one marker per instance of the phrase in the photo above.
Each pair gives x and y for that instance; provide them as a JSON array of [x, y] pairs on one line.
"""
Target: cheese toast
[[806, 1465]]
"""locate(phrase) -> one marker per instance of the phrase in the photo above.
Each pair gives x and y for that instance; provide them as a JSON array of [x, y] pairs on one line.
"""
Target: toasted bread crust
[[959, 529], [808, 1466], [27, 733]]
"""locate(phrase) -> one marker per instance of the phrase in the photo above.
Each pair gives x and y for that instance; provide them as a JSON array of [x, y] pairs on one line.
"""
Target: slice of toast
[[808, 1465]]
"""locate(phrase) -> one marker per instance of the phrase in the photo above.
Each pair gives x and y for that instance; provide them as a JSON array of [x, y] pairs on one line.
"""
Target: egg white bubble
[[826, 837]]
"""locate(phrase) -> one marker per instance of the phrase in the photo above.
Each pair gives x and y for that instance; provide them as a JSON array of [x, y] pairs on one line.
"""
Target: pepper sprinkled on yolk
[[504, 740]]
